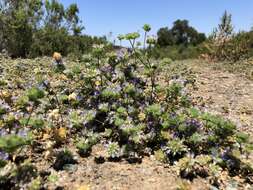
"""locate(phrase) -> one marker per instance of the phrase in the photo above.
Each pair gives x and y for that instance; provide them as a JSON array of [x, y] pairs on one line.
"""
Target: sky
[[100, 17]]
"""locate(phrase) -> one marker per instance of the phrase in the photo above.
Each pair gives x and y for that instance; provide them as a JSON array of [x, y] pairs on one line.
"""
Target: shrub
[[62, 159]]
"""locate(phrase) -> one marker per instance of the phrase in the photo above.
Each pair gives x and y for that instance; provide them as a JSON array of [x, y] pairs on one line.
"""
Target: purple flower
[[3, 132], [96, 93], [176, 134], [22, 132], [43, 85], [225, 155], [193, 123], [107, 69], [173, 115], [4, 155]]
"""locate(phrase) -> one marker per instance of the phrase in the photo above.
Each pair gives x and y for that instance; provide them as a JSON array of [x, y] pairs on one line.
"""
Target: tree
[[54, 14], [73, 20], [185, 34], [19, 18], [40, 27], [165, 37], [180, 34], [225, 29]]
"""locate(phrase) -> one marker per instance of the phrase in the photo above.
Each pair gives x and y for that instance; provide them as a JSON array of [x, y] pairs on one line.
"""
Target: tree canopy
[[180, 33], [40, 27]]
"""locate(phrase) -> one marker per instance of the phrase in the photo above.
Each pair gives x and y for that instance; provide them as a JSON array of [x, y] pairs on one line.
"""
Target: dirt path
[[225, 93], [89, 175]]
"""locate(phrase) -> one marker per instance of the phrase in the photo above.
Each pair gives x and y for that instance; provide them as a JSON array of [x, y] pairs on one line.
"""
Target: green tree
[[180, 34], [165, 37], [73, 20], [185, 34], [225, 29], [54, 14], [19, 19], [40, 27]]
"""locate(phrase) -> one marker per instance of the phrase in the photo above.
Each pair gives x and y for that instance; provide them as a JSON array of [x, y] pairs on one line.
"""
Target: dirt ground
[[228, 94], [89, 175]]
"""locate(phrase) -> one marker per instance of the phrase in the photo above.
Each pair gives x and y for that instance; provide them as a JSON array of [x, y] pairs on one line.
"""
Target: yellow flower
[[97, 83], [36, 70], [141, 116], [5, 94], [63, 77], [62, 133], [72, 97]]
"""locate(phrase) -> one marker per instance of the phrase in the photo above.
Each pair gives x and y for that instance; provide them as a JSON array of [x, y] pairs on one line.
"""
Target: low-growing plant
[[10, 143], [114, 150], [84, 146], [63, 158]]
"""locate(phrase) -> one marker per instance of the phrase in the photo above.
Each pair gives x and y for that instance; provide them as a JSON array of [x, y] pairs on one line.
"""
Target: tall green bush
[[31, 28]]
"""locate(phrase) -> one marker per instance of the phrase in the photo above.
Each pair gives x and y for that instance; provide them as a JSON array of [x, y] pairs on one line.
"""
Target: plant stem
[[30, 115], [57, 101], [144, 44]]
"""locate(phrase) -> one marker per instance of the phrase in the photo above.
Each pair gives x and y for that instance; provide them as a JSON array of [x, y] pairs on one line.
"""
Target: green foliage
[[161, 156], [225, 45], [110, 94], [177, 52], [225, 28], [35, 28], [121, 37], [19, 19], [180, 34], [154, 110], [146, 27], [165, 37], [2, 163], [242, 137], [63, 158], [11, 143], [34, 94], [220, 127], [113, 150], [53, 178], [22, 102], [2, 111], [34, 123], [76, 120], [200, 166], [166, 61], [182, 41], [35, 184], [83, 147], [132, 36], [175, 148]]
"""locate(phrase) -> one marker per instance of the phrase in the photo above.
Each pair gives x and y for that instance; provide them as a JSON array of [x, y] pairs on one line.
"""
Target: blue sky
[[101, 17]]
